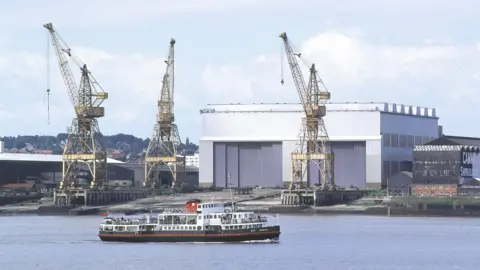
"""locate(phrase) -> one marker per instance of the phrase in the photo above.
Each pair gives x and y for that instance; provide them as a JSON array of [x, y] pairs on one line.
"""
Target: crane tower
[[312, 148], [162, 149], [84, 147]]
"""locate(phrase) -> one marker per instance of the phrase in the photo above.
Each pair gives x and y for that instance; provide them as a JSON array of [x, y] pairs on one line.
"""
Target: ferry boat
[[197, 222]]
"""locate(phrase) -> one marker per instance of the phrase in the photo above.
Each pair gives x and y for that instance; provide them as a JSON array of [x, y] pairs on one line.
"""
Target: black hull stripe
[[183, 238], [185, 234]]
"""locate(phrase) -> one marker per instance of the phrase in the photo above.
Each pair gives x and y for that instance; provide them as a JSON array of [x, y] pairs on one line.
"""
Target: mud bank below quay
[[259, 208], [265, 201], [372, 211]]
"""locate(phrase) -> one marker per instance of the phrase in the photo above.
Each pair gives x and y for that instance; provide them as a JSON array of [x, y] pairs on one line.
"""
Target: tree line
[[127, 144]]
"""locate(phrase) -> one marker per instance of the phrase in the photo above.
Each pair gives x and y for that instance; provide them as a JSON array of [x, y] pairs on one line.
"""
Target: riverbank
[[268, 201]]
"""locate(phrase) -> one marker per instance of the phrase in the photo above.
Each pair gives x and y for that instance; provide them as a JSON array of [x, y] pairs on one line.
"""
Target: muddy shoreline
[[261, 208], [268, 202]]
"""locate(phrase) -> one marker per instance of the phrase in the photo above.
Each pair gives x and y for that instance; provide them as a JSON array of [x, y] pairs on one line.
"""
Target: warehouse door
[[349, 165], [248, 164]]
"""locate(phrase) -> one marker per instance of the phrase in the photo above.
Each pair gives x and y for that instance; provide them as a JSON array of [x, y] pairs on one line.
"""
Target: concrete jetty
[[317, 197], [88, 197]]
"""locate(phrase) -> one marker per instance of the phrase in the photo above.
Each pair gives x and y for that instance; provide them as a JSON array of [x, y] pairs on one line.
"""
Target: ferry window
[[214, 216], [189, 227], [181, 227], [199, 217], [199, 206], [199, 228]]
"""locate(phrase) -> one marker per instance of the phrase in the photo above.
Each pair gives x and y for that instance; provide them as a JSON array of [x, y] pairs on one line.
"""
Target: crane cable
[[48, 78], [304, 61], [282, 50]]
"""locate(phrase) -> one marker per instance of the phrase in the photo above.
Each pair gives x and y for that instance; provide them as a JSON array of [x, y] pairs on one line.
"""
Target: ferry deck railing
[[245, 220]]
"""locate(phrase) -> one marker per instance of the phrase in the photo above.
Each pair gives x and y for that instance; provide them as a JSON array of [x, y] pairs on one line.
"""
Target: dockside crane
[[84, 148], [162, 148], [313, 147]]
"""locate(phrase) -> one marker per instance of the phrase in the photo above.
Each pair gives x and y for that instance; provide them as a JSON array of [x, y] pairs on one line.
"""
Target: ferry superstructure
[[197, 222]]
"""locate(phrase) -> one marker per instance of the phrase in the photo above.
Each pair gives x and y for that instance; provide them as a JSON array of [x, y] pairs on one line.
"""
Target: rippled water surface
[[307, 242]]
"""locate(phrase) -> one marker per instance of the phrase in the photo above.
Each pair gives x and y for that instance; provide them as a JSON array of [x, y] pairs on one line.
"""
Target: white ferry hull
[[241, 235]]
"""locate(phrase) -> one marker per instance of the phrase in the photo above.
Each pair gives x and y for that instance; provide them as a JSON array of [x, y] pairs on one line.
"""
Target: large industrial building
[[246, 145], [449, 165], [16, 167]]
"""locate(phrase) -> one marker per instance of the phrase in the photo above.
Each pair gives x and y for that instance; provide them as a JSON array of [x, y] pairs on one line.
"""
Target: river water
[[307, 242]]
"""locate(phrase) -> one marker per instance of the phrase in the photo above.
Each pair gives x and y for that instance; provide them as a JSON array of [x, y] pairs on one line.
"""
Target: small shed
[[399, 183]]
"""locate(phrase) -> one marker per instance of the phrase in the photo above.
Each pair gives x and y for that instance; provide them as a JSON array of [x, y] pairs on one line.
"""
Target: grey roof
[[451, 143], [427, 147], [383, 107], [141, 166], [409, 174], [40, 158], [464, 140]]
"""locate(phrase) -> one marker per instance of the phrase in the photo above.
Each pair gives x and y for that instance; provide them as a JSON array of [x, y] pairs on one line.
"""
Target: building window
[[410, 141], [386, 169], [402, 142], [386, 140], [394, 167], [394, 140], [418, 140]]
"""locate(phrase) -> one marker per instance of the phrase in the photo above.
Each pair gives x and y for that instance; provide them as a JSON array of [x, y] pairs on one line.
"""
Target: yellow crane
[[84, 148], [162, 148], [313, 147]]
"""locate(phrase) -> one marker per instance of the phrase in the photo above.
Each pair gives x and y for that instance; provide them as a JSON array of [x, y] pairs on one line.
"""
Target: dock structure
[[88, 197], [318, 197], [243, 191]]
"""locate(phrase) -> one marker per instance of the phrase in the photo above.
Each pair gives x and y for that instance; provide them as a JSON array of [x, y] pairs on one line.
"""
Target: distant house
[[49, 185], [399, 183], [116, 154]]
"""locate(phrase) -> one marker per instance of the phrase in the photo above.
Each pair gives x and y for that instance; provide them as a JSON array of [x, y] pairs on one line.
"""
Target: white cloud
[[133, 82], [348, 63], [111, 12], [92, 13], [352, 67], [444, 76]]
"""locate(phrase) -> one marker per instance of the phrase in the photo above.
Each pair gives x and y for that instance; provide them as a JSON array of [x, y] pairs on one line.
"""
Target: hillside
[[120, 146]]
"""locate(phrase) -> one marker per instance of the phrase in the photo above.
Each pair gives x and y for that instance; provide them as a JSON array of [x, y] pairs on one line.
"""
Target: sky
[[423, 53]]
